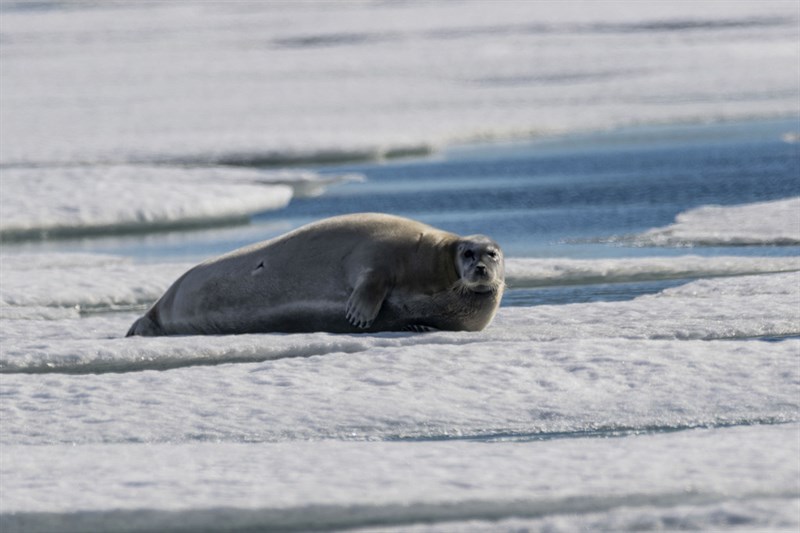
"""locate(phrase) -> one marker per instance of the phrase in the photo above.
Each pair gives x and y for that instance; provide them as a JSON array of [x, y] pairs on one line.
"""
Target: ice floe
[[208, 83], [704, 309], [763, 223], [673, 410], [386, 389], [708, 479], [529, 272], [87, 200], [98, 199]]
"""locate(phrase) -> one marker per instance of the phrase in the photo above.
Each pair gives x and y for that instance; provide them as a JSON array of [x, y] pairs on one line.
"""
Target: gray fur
[[354, 273]]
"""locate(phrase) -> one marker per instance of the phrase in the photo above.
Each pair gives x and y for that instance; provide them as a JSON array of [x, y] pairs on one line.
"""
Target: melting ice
[[458, 410], [673, 410]]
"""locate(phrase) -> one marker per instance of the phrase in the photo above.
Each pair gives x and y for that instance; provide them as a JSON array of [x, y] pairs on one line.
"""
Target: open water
[[577, 196]]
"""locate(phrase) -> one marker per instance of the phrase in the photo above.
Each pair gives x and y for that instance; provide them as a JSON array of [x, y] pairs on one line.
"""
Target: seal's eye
[[468, 254], [492, 254]]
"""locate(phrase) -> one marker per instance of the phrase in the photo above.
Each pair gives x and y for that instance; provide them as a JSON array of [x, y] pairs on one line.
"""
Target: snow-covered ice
[[462, 431], [529, 272], [219, 84], [301, 435], [368, 389], [719, 474], [678, 409], [686, 335], [246, 83], [80, 200], [776, 222]]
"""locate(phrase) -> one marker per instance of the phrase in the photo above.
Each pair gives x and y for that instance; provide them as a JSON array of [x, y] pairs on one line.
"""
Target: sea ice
[[536, 369], [776, 222], [267, 421], [107, 199], [710, 477], [530, 272], [205, 83], [694, 390]]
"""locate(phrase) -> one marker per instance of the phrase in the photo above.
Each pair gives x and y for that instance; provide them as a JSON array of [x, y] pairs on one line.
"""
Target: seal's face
[[479, 262]]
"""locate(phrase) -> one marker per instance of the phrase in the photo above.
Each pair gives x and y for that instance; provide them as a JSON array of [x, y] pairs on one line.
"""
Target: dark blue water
[[597, 292], [560, 197]]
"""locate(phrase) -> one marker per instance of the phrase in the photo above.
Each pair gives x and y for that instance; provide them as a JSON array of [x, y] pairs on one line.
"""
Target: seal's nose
[[480, 270]]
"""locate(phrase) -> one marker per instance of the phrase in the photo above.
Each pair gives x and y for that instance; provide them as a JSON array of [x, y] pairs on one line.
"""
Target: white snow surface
[[107, 199], [308, 485], [530, 272], [674, 410], [554, 417], [373, 389], [252, 83], [93, 95], [534, 369], [775, 222]]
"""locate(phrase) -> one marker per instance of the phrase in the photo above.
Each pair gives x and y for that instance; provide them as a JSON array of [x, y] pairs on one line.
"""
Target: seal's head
[[479, 263]]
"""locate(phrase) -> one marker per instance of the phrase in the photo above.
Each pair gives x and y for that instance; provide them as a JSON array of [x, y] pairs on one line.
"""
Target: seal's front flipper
[[366, 299]]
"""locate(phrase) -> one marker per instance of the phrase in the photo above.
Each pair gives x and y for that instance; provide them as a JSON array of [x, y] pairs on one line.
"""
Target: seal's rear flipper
[[144, 326]]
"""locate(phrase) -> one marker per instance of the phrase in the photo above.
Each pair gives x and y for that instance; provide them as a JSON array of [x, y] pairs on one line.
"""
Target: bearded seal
[[364, 272]]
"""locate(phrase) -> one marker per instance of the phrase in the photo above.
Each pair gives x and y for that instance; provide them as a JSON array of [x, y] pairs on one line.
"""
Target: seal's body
[[354, 273]]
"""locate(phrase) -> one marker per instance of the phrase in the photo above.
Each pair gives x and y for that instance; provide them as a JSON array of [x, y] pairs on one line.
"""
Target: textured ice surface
[[297, 431], [776, 222], [246, 83], [651, 361], [204, 84], [366, 389], [108, 199], [440, 432], [707, 478], [530, 272]]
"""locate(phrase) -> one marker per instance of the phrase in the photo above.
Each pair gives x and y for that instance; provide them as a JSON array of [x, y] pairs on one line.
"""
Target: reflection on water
[[558, 197], [602, 292]]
